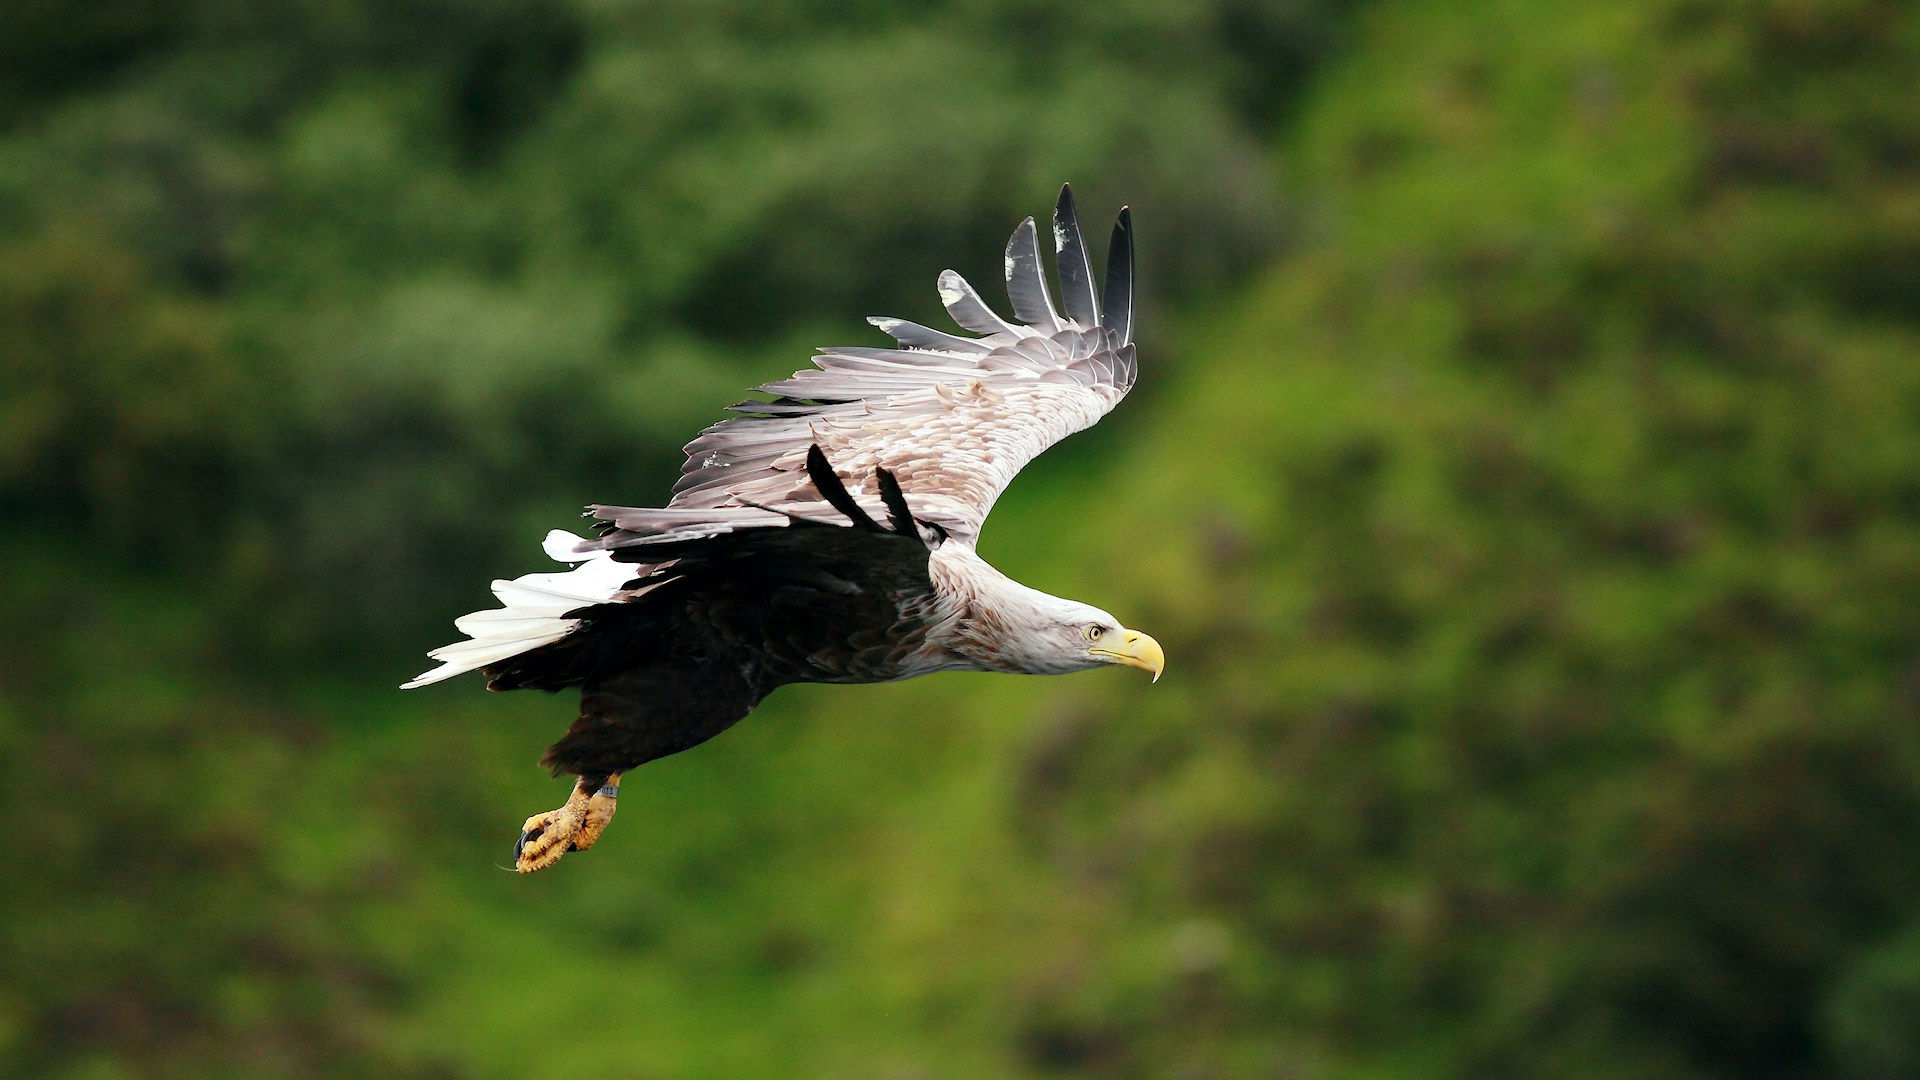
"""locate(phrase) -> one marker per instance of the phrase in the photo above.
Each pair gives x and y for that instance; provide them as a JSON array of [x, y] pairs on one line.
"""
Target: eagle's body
[[825, 536]]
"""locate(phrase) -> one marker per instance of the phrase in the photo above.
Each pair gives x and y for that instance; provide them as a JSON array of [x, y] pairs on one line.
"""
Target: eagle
[[823, 536]]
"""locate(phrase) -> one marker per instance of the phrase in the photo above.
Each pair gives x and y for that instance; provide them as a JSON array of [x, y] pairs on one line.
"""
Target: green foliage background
[[1524, 481]]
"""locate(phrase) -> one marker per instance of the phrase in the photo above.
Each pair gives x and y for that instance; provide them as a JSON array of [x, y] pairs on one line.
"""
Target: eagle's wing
[[953, 418]]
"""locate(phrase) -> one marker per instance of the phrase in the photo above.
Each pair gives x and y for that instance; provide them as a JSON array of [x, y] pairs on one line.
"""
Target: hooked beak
[[1134, 650]]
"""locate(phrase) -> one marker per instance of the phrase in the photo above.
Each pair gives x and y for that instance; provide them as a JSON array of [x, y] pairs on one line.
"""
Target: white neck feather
[[994, 623]]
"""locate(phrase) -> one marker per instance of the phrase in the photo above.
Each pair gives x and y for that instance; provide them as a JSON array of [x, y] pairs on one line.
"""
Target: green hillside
[[1524, 481]]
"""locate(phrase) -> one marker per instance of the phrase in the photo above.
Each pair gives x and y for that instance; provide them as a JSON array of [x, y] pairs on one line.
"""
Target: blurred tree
[[1537, 538], [305, 306], [1551, 578], [555, 239]]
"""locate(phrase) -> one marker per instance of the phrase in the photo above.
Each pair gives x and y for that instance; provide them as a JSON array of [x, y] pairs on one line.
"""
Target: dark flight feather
[[895, 501], [1118, 300], [1076, 270], [832, 490], [1027, 283]]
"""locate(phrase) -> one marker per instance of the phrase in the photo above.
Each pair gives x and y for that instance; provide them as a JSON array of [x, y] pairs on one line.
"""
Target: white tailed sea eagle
[[826, 535]]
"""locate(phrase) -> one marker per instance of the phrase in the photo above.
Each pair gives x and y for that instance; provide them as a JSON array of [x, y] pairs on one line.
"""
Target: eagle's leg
[[573, 827]]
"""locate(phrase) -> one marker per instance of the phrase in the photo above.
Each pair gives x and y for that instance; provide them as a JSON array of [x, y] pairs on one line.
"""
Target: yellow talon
[[575, 826]]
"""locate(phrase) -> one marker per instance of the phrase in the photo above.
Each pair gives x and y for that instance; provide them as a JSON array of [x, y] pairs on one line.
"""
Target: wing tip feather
[[1117, 303]]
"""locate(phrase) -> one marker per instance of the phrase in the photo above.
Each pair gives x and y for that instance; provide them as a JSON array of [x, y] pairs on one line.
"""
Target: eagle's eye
[[1094, 632]]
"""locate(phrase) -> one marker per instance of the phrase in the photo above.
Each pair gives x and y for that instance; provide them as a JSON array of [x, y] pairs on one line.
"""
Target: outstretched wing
[[953, 418]]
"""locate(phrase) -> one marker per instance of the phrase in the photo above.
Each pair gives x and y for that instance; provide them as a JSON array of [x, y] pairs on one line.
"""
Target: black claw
[[521, 844]]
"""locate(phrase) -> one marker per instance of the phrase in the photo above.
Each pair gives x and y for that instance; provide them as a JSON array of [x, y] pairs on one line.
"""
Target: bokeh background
[[1524, 480]]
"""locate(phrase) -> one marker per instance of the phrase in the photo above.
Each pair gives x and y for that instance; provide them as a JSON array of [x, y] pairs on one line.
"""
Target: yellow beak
[[1134, 650]]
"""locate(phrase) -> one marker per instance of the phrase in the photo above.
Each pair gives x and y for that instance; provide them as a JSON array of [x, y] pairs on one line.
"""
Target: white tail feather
[[559, 546], [532, 608], [501, 623]]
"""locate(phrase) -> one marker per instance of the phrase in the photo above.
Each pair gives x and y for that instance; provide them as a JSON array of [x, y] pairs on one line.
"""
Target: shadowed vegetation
[[1523, 482]]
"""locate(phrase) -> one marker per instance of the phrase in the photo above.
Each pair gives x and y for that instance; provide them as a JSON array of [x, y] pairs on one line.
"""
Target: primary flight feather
[[826, 535]]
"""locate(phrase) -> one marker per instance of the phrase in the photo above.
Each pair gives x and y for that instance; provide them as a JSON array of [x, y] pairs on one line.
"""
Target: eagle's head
[[995, 623], [1083, 636], [1037, 634]]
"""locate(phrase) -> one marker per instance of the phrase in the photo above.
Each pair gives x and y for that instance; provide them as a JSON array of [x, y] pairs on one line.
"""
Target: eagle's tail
[[534, 611]]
